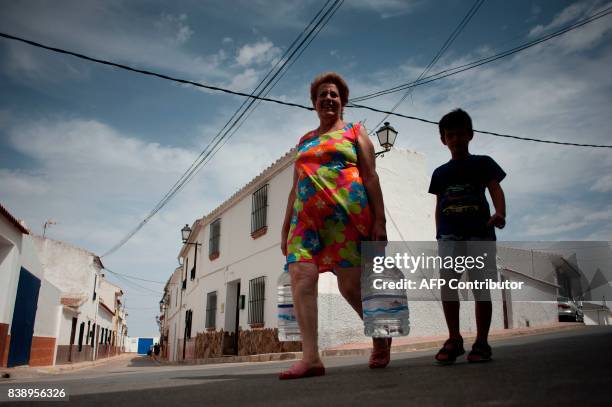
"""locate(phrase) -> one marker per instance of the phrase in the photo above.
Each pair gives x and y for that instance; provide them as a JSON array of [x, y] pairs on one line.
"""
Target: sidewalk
[[402, 344], [408, 344], [27, 372]]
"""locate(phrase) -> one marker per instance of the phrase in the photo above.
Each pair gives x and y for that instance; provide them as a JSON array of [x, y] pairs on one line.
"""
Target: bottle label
[[286, 312], [376, 306]]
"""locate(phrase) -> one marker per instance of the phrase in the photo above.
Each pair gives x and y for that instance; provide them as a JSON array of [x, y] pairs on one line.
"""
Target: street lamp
[[386, 137], [185, 232]]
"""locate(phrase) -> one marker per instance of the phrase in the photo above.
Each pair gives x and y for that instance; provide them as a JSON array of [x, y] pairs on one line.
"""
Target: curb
[[365, 351], [262, 357], [26, 372], [437, 343]]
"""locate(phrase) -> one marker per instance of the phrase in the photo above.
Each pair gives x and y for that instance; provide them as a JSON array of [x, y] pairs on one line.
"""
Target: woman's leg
[[304, 284], [349, 284]]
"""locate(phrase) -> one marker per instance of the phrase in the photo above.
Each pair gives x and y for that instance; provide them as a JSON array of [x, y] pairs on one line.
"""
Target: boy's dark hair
[[457, 119]]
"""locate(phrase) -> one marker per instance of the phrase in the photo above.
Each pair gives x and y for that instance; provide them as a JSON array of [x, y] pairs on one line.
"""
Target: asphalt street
[[565, 368]]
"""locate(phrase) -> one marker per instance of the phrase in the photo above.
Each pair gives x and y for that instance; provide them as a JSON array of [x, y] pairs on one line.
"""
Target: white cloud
[[603, 184], [386, 8], [133, 39], [244, 81], [175, 27], [567, 218], [260, 52]]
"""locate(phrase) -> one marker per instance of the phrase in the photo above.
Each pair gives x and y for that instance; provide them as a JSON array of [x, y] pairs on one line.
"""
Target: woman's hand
[[379, 231]]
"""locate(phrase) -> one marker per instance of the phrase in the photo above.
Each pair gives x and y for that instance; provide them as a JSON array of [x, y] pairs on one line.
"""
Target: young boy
[[462, 214]]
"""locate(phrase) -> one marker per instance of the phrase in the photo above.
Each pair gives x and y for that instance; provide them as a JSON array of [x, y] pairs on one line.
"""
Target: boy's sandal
[[481, 352], [380, 358], [449, 351]]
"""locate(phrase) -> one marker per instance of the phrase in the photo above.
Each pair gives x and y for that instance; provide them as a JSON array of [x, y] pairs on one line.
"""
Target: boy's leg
[[483, 307], [484, 310], [451, 314]]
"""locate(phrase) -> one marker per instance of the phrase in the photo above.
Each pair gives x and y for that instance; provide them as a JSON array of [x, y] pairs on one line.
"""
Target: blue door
[[143, 345], [24, 315]]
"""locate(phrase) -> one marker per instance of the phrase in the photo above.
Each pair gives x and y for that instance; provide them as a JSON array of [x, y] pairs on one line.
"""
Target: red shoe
[[380, 358], [300, 370]]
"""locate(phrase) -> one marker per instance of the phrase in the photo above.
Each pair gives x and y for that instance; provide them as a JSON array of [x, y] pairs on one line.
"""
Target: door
[[24, 316], [232, 318]]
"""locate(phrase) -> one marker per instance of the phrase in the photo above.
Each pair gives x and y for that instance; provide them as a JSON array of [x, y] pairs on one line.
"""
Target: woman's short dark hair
[[330, 77], [457, 119]]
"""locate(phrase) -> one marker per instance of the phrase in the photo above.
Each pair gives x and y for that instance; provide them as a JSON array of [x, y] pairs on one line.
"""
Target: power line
[[135, 278], [124, 279], [563, 143], [351, 104], [264, 87], [449, 41], [474, 64]]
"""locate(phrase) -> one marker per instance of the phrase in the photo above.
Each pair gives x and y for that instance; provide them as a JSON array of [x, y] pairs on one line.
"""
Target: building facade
[[92, 320], [30, 304], [222, 299]]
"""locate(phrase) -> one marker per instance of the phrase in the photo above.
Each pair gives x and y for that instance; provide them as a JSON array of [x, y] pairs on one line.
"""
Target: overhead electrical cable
[[449, 41], [425, 80], [486, 60], [264, 86]]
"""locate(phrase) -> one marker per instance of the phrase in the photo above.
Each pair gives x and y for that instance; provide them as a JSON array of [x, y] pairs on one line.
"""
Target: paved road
[[564, 368]]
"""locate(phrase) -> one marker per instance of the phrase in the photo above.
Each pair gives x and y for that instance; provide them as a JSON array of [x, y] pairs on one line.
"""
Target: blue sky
[[94, 148]]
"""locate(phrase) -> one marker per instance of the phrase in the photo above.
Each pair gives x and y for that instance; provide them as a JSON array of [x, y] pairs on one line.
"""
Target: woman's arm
[[366, 162], [288, 213]]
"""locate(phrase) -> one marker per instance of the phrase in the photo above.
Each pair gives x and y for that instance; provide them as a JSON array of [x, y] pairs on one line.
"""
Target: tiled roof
[[13, 220]]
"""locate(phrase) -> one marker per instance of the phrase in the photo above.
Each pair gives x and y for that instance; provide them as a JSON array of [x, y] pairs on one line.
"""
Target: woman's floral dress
[[331, 215]]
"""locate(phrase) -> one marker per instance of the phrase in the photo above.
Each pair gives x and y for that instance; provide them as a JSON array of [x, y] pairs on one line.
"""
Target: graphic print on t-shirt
[[459, 199]]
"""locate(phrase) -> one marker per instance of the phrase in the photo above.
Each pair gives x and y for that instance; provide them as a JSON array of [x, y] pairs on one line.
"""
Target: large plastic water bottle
[[288, 329], [385, 311]]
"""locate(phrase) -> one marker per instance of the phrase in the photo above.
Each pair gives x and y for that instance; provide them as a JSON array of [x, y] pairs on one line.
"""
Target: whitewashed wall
[[10, 249]]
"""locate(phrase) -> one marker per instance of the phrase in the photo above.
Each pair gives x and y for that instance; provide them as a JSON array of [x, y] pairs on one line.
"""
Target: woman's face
[[328, 104]]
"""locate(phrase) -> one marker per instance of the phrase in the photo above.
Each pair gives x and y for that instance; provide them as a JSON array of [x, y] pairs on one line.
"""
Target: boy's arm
[[437, 211], [498, 219]]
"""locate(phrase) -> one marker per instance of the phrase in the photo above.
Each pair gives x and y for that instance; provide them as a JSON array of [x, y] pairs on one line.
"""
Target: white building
[[29, 304], [88, 327], [232, 261]]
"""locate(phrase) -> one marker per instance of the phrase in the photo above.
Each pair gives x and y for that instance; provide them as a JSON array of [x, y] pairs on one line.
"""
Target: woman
[[335, 203]]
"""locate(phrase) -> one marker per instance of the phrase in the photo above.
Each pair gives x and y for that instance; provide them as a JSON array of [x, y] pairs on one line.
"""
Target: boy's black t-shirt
[[460, 185]]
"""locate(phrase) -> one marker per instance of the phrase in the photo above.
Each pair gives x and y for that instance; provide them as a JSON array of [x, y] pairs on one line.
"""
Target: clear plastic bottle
[[288, 329], [385, 311]]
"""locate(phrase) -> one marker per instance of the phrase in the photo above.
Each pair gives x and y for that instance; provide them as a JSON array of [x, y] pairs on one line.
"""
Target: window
[[92, 333], [211, 309], [215, 234], [81, 329], [257, 290], [259, 210], [188, 319], [185, 276]]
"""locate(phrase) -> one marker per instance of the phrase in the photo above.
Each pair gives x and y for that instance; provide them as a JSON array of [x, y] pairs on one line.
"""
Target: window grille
[[215, 234], [257, 290], [188, 319], [259, 209], [211, 309], [81, 329]]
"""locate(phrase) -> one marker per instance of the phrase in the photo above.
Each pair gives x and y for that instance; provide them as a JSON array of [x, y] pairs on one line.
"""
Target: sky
[[94, 148]]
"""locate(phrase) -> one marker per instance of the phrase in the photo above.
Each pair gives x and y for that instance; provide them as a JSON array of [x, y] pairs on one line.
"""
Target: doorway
[[24, 315], [232, 318]]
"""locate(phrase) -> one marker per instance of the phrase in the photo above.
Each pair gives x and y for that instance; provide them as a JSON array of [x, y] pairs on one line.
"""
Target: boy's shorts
[[485, 250]]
